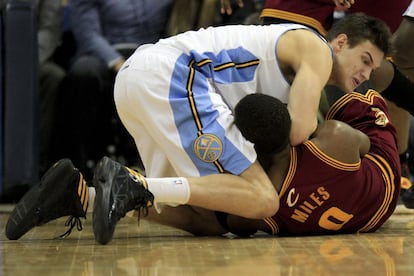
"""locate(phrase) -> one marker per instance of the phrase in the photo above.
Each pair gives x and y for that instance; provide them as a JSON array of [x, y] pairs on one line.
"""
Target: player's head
[[264, 121], [359, 44], [360, 27]]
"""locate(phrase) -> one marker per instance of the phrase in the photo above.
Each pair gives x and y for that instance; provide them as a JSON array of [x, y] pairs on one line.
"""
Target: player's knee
[[403, 55]]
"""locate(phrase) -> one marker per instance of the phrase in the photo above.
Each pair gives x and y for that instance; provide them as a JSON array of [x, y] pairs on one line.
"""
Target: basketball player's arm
[[341, 141], [250, 194], [309, 59]]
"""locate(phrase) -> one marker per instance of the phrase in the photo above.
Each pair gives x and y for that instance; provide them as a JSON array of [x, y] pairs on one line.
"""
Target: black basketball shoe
[[407, 197], [118, 190], [62, 191], [407, 187]]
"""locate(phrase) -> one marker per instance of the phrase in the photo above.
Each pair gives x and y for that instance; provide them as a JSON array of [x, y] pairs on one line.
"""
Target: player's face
[[352, 66]]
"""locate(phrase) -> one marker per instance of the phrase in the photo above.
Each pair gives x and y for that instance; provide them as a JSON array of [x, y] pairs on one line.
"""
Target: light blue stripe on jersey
[[189, 88], [228, 66]]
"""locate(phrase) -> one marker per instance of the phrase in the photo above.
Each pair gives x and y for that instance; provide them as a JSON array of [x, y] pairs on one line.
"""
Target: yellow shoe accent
[[405, 183]]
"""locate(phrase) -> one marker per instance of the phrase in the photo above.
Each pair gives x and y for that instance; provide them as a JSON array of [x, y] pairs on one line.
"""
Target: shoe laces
[[142, 209], [72, 221]]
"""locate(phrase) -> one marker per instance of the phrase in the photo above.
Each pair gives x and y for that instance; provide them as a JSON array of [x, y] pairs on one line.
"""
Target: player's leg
[[403, 40], [399, 88], [400, 97], [118, 191], [203, 222], [197, 221]]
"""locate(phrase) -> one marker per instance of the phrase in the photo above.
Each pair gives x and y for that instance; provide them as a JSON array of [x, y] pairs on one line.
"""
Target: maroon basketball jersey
[[319, 14], [389, 12], [321, 195], [316, 14]]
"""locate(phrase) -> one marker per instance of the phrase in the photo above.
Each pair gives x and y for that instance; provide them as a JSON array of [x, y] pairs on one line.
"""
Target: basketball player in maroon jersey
[[392, 79], [346, 179]]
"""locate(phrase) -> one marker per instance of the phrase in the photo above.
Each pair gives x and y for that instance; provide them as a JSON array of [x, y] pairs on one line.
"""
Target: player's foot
[[62, 191], [407, 188], [407, 198], [407, 192], [118, 190]]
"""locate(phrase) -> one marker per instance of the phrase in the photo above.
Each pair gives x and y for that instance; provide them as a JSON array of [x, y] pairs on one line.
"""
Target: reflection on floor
[[151, 249]]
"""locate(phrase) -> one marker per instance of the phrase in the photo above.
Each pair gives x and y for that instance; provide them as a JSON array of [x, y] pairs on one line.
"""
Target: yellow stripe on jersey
[[272, 225], [388, 177], [190, 96], [367, 98], [202, 62], [291, 172], [290, 16], [224, 66], [331, 161], [248, 64], [236, 65]]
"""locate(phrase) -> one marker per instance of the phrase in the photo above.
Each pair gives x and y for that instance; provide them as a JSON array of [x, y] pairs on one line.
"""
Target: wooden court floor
[[151, 249]]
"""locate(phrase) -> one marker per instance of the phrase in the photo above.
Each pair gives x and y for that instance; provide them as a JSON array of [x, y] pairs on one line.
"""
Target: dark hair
[[264, 121], [360, 27]]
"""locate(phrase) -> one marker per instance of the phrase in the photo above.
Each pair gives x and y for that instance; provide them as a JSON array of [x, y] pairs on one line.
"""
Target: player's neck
[[279, 168]]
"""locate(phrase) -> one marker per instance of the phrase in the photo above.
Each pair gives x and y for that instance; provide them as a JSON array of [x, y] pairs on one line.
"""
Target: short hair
[[360, 27], [265, 121]]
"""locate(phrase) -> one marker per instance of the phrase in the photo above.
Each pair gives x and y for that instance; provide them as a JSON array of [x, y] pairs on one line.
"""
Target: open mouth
[[356, 82]]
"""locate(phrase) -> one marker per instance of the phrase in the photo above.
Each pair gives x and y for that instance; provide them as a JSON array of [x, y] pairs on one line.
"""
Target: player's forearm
[[235, 194], [302, 129]]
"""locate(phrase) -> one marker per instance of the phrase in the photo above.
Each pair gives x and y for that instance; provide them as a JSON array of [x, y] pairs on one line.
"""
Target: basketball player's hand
[[226, 6], [344, 3]]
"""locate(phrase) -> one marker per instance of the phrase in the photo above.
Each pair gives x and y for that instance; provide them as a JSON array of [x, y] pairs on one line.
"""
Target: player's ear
[[339, 42]]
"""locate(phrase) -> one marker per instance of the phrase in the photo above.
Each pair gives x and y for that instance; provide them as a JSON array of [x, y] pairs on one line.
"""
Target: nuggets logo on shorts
[[208, 147]]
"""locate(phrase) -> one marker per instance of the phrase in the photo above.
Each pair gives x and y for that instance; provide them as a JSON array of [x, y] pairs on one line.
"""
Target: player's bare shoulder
[[341, 141], [302, 42]]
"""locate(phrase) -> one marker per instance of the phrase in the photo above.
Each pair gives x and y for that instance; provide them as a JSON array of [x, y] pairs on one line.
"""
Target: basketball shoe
[[62, 191], [407, 197], [407, 188], [118, 190]]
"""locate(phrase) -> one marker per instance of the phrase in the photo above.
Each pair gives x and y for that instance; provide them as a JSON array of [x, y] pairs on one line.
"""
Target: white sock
[[169, 190], [92, 193]]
